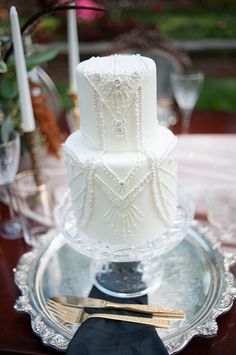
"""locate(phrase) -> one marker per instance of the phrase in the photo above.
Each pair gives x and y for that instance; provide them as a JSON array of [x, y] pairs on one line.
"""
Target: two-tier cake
[[121, 162]]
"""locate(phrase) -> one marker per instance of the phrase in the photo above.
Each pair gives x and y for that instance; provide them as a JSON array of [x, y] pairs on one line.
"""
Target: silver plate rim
[[50, 337]]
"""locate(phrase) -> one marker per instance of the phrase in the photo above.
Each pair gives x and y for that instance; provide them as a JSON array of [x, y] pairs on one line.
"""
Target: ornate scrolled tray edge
[[210, 327], [60, 342], [39, 325]]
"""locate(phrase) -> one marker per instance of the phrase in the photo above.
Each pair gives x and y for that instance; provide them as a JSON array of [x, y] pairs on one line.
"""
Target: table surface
[[16, 335]]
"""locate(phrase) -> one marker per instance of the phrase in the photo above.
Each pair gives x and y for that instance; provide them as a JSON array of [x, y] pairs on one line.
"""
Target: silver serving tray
[[196, 279]]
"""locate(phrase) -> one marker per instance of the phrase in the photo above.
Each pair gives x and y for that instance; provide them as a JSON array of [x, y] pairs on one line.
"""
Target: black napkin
[[104, 336]]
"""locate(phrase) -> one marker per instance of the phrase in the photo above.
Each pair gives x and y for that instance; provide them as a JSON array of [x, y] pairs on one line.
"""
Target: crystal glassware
[[221, 210], [9, 162], [33, 194], [186, 90]]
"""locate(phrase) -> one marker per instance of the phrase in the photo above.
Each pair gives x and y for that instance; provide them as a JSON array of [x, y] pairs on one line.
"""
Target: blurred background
[[203, 30]]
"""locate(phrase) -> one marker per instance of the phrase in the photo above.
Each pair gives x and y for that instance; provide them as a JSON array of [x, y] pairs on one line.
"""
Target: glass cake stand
[[125, 270]]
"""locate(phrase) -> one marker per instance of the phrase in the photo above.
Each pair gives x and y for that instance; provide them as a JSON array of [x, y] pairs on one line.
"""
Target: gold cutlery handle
[[154, 310], [159, 323], [86, 302]]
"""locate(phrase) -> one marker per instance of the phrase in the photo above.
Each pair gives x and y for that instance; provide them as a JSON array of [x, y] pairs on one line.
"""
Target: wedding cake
[[121, 163]]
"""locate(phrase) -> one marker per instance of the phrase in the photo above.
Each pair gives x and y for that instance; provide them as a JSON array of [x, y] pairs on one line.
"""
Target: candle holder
[[31, 144], [75, 109]]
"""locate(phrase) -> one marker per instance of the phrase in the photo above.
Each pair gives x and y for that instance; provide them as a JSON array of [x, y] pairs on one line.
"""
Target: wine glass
[[9, 162], [186, 90], [221, 210]]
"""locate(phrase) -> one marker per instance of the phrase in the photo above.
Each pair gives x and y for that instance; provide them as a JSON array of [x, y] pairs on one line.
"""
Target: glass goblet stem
[[10, 229], [186, 117], [10, 197]]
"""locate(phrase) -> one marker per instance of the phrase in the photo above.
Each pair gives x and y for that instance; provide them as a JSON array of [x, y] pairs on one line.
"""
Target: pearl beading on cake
[[158, 184], [115, 91], [123, 216], [124, 183], [99, 118], [83, 200], [139, 118]]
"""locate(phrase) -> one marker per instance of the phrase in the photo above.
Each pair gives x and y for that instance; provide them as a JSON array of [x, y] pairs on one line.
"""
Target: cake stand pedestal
[[127, 279], [125, 270]]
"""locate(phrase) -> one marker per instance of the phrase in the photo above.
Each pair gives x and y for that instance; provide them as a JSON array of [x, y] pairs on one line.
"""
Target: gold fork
[[88, 302], [67, 314]]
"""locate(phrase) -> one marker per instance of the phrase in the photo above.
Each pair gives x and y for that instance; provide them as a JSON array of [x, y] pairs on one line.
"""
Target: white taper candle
[[28, 123], [73, 48]]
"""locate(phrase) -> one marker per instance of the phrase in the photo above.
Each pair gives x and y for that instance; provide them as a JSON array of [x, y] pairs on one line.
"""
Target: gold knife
[[83, 302], [73, 315]]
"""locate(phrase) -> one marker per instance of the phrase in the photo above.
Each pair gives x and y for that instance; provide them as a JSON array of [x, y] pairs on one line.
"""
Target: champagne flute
[[9, 162], [186, 90], [221, 210]]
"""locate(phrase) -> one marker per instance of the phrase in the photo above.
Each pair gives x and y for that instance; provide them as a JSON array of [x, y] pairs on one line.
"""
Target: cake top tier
[[117, 101]]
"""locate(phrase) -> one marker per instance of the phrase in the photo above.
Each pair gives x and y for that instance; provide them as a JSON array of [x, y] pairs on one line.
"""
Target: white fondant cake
[[121, 163]]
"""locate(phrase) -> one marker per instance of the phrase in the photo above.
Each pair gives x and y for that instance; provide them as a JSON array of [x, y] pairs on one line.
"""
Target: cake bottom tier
[[122, 198]]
